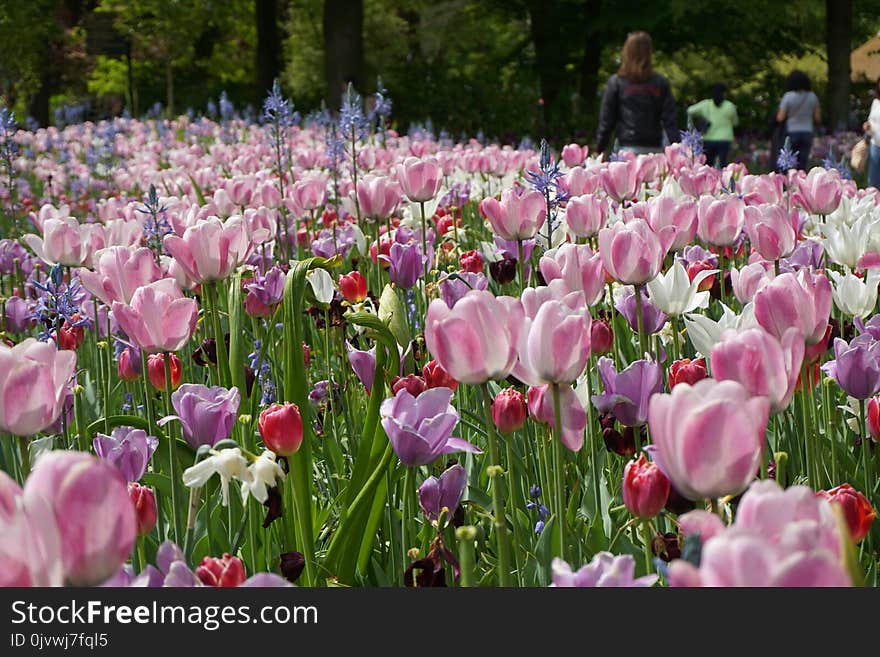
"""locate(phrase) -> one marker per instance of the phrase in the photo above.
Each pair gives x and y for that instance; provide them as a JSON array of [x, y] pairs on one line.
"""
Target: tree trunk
[[549, 61], [592, 58], [343, 47], [838, 36], [268, 46]]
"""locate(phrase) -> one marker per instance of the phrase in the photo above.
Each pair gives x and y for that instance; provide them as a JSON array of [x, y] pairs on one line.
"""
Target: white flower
[[228, 463], [671, 188], [675, 294], [360, 240], [705, 333], [846, 244], [852, 295], [322, 285], [264, 473]]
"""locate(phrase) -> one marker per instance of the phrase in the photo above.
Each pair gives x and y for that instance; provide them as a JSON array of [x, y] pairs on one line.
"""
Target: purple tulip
[[128, 449], [572, 414], [856, 366], [653, 318], [207, 414], [453, 289], [604, 571], [268, 290], [871, 327], [806, 255], [692, 254], [406, 264], [626, 394], [363, 363], [419, 428], [436, 494], [18, 315]]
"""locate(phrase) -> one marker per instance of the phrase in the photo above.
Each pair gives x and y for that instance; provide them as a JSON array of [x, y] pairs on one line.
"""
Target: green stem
[[466, 559], [520, 266], [594, 460], [646, 536], [424, 248], [557, 471], [25, 458], [640, 321], [498, 510], [172, 451], [219, 339], [866, 453]]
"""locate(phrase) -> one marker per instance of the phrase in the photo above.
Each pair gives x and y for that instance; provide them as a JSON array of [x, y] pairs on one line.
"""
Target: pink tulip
[[122, 232], [572, 415], [802, 301], [554, 338], [92, 509], [519, 214], [159, 318], [579, 181], [261, 224], [574, 155], [223, 203], [585, 215], [771, 230], [631, 251], [64, 242], [269, 195], [119, 271], [764, 365], [420, 179], [700, 180], [681, 214], [720, 221], [820, 191], [241, 189], [708, 437], [620, 180], [34, 379], [211, 249], [378, 196], [309, 194], [768, 188], [747, 281], [580, 269], [476, 340]]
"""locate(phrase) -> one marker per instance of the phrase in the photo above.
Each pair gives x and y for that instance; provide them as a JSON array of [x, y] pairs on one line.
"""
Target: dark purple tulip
[[453, 289], [652, 317], [128, 449], [626, 393], [435, 494], [856, 366], [207, 414], [18, 315], [419, 428]]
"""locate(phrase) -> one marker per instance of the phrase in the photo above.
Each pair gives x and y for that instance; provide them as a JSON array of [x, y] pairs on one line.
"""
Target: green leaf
[[393, 314], [198, 190]]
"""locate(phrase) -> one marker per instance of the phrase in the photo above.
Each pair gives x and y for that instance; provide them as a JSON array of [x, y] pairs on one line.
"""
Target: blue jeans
[[802, 142], [874, 166]]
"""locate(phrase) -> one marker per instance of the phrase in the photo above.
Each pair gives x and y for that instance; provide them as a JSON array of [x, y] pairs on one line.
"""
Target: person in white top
[[872, 127]]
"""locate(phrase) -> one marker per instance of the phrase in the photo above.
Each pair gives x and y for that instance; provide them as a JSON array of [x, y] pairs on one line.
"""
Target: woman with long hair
[[637, 103], [872, 128], [720, 117], [800, 110]]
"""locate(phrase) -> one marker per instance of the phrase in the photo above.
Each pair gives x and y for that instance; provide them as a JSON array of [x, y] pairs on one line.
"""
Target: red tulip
[[225, 572], [687, 371], [281, 428], [645, 488], [144, 501], [353, 287], [509, 410], [856, 509], [129, 365], [436, 377], [414, 385], [874, 418], [601, 337], [156, 371], [471, 261]]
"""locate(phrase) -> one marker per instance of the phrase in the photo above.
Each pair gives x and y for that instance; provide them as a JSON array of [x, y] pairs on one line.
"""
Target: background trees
[[504, 67]]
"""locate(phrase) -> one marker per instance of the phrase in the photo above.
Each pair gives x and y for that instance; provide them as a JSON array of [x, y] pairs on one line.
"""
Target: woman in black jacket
[[637, 102]]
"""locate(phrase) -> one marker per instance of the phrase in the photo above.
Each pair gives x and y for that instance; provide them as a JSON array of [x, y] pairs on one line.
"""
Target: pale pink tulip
[[681, 214], [64, 242], [518, 216], [420, 179], [211, 249], [118, 272], [820, 191], [378, 196], [631, 251], [771, 230], [585, 215], [159, 318], [620, 180], [720, 221], [580, 269]]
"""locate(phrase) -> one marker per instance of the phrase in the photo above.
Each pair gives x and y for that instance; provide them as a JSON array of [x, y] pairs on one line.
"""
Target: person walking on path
[[720, 117], [872, 127], [800, 110], [637, 104]]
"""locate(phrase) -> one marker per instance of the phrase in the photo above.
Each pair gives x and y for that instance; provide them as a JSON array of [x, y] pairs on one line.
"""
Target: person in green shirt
[[721, 116]]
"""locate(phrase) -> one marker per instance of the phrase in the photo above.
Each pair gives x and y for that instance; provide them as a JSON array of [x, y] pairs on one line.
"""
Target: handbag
[[859, 155]]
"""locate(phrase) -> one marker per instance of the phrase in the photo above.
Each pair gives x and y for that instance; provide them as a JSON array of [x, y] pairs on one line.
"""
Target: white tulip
[[322, 285], [675, 294], [228, 463], [852, 295]]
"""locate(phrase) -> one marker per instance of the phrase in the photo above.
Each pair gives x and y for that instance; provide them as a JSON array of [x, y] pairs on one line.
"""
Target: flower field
[[261, 353]]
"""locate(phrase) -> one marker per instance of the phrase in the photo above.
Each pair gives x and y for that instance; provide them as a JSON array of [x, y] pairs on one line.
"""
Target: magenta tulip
[[159, 317], [518, 215], [764, 365], [709, 437], [475, 341], [118, 272], [34, 379]]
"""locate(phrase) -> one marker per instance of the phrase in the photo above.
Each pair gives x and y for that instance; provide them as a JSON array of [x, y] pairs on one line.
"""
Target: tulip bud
[[601, 337], [144, 501], [436, 377], [225, 572], [156, 371], [687, 371], [874, 418], [70, 337], [281, 428], [129, 365], [856, 509], [471, 261], [645, 488], [414, 385], [353, 287], [509, 410], [503, 271]]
